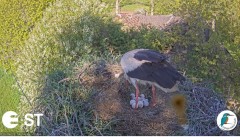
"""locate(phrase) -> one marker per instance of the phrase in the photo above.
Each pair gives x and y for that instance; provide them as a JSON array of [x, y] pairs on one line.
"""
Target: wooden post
[[152, 7], [117, 6]]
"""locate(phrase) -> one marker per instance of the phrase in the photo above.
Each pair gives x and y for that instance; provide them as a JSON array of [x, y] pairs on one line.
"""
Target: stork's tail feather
[[175, 74], [178, 76]]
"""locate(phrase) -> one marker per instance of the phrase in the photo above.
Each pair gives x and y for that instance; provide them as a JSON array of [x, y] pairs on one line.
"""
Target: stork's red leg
[[137, 92], [153, 96]]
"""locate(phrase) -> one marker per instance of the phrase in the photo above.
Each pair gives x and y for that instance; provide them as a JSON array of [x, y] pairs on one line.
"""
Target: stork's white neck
[[129, 63]]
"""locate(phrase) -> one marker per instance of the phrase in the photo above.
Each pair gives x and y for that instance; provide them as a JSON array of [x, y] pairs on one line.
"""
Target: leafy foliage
[[43, 51], [17, 19], [166, 6], [216, 59]]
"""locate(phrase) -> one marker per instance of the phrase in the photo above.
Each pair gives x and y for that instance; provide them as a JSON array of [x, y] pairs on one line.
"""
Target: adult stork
[[146, 66]]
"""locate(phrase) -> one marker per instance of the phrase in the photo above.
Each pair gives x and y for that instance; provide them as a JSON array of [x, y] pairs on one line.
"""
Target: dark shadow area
[[100, 36]]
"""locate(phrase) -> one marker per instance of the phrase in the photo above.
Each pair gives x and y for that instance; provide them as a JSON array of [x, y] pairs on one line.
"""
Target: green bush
[[226, 16], [17, 18], [216, 60], [50, 48]]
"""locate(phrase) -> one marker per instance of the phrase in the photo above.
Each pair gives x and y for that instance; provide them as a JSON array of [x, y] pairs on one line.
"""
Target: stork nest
[[111, 103], [203, 107]]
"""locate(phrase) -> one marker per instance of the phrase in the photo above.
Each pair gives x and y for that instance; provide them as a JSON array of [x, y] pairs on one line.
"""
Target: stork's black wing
[[149, 55], [162, 73]]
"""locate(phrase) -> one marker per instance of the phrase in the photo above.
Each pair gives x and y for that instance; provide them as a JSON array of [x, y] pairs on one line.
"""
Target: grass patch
[[134, 7], [9, 99], [17, 18], [68, 105]]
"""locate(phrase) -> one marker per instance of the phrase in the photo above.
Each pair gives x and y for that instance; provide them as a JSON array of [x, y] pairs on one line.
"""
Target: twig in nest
[[63, 80], [204, 104]]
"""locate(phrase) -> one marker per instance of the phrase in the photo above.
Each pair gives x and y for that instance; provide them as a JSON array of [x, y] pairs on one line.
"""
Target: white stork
[[146, 66]]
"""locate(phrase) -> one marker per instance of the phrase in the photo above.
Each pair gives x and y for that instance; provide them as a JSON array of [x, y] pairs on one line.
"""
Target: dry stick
[[78, 124], [63, 80]]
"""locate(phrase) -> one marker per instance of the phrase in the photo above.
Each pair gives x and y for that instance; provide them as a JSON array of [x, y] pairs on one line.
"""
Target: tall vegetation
[[216, 58], [17, 19]]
